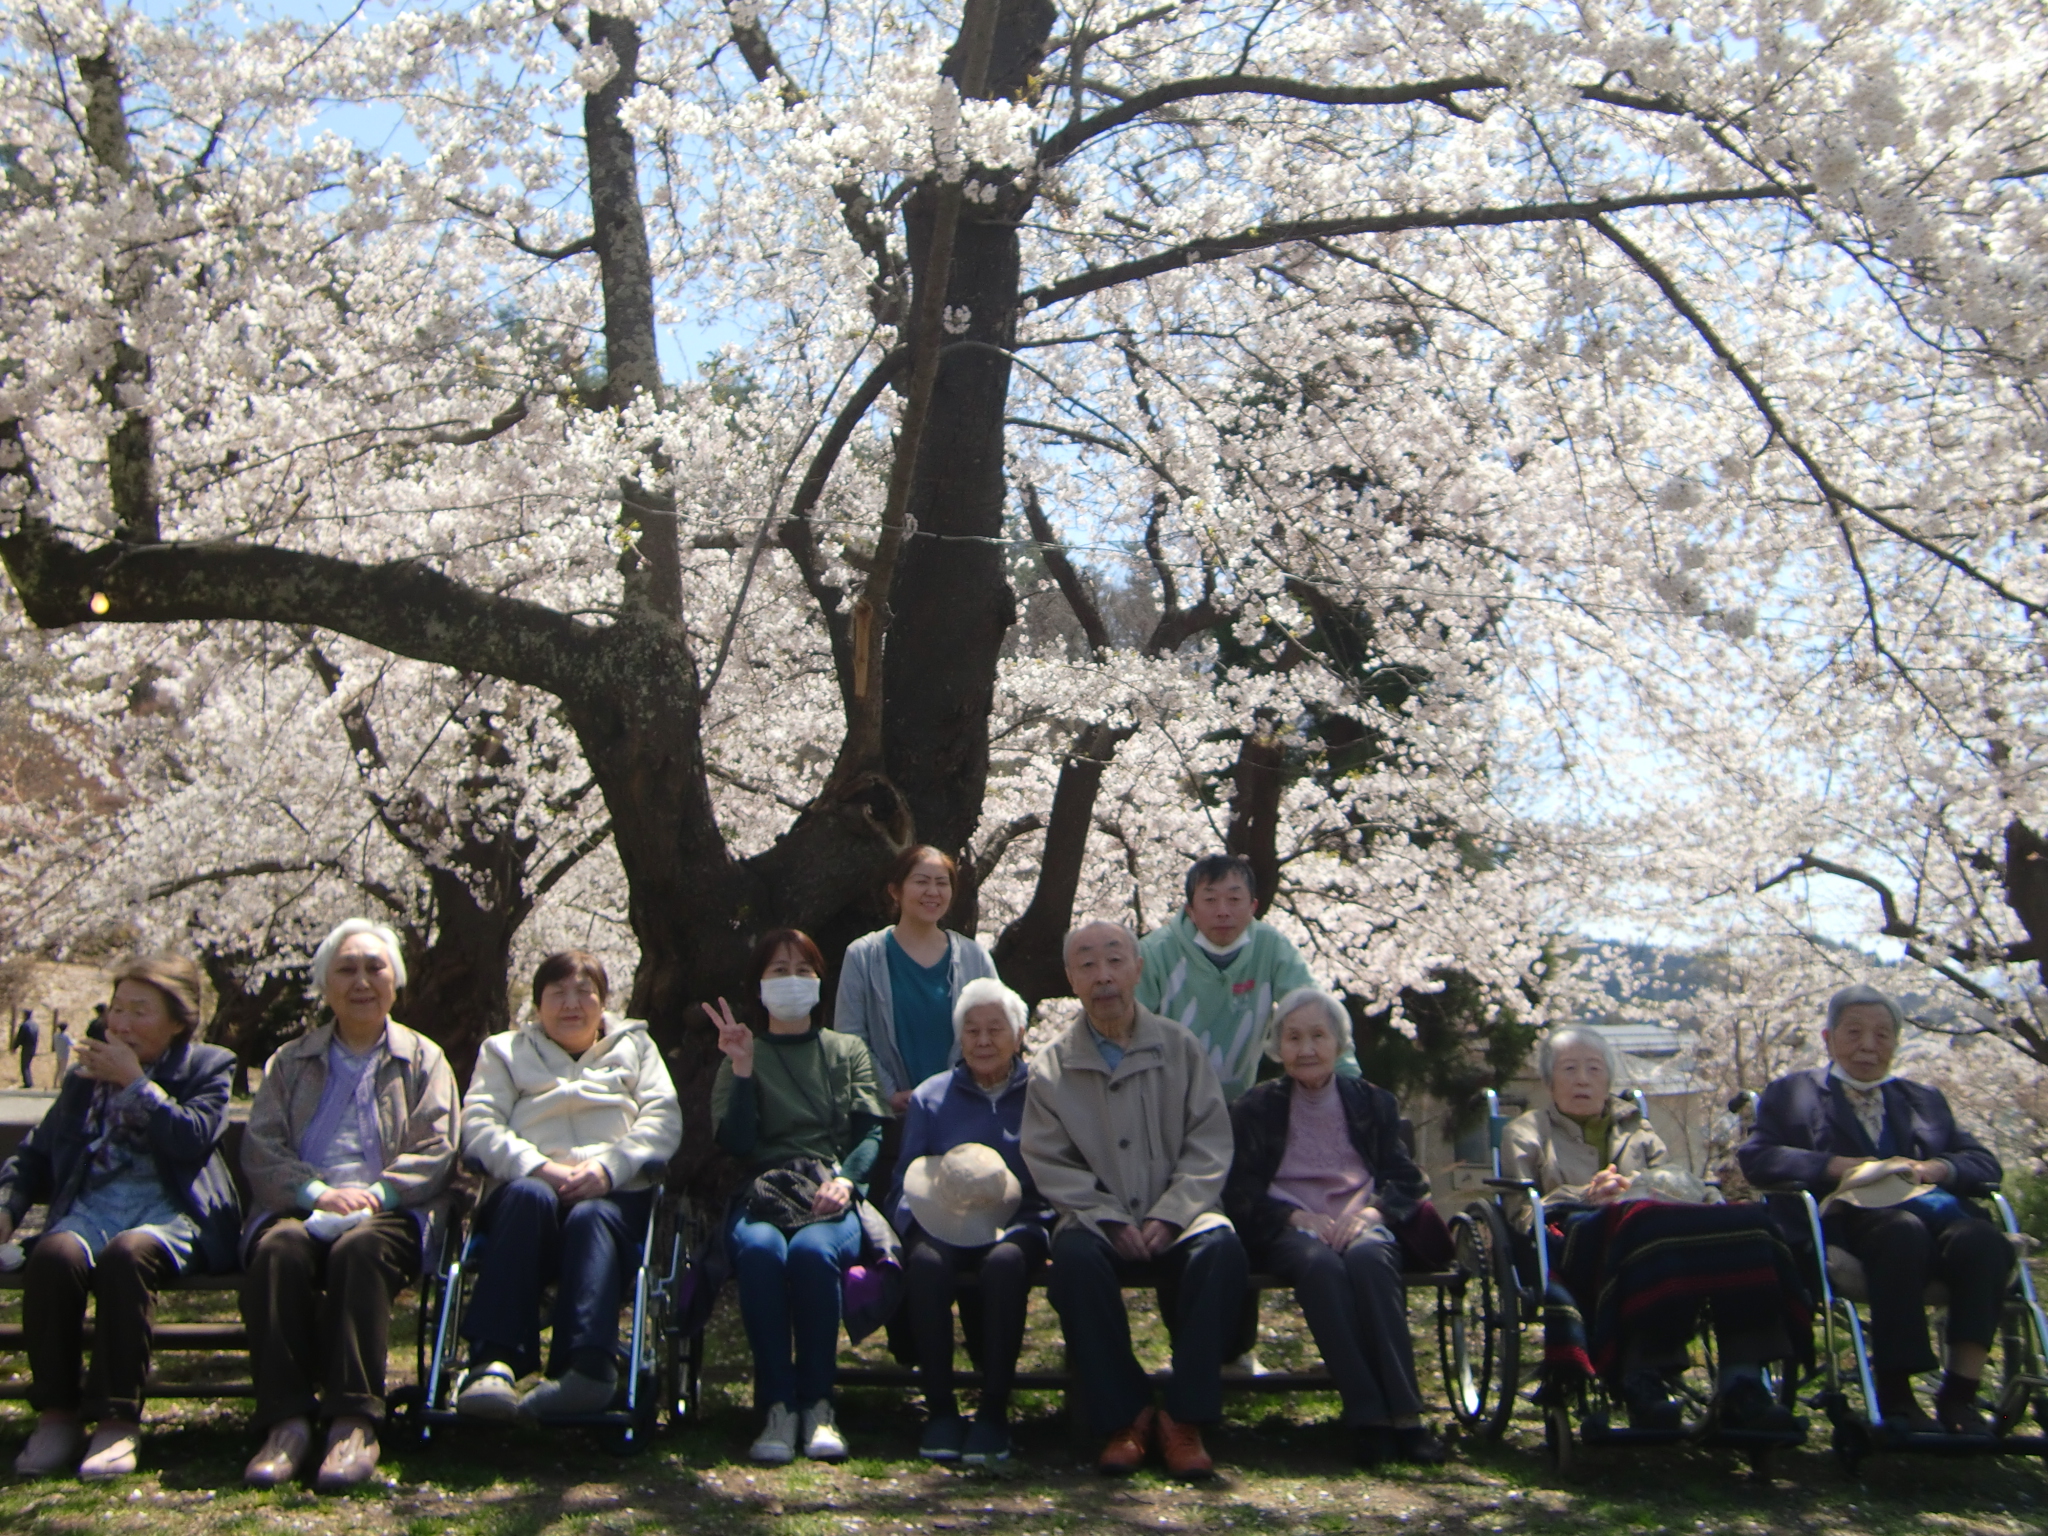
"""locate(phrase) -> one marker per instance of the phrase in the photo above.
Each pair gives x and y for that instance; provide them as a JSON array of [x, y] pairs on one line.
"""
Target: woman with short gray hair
[[1318, 1183], [966, 1204], [349, 1150], [1585, 1148]]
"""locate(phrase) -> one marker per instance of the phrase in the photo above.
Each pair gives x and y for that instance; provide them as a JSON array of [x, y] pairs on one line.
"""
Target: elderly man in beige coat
[[1127, 1134]]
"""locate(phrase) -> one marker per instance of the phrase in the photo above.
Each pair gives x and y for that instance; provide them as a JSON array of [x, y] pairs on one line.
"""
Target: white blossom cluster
[[1658, 386]]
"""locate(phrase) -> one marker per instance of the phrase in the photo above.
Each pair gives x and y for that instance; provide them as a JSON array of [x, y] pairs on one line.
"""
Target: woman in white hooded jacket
[[572, 1118]]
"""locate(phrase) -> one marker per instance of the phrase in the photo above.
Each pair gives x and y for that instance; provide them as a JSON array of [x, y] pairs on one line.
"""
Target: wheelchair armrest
[[1523, 1186]]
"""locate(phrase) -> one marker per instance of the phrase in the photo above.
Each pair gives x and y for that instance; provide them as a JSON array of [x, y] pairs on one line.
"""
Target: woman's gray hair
[[323, 957], [1334, 1014], [982, 991], [1862, 996], [1576, 1034]]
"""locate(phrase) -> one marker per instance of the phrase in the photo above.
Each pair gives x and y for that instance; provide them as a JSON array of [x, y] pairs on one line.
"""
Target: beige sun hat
[[1872, 1186], [966, 1197]]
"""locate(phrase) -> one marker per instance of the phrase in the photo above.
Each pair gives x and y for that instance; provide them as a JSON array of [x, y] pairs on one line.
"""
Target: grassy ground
[[1283, 1460]]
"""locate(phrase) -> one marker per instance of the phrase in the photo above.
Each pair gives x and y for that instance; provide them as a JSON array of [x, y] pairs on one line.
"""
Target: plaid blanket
[[1645, 1270]]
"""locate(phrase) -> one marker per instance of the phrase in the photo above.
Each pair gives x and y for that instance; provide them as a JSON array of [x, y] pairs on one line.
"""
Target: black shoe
[[1909, 1418], [1419, 1443], [1374, 1445], [988, 1445], [1747, 1404], [1647, 1396], [944, 1438], [1961, 1415]]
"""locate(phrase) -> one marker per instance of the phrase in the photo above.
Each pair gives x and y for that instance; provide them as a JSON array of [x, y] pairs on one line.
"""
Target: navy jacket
[[185, 1130], [1372, 1118], [948, 1110], [1804, 1119]]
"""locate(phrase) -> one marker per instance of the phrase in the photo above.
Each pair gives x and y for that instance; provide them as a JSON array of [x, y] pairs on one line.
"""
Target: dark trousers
[[1201, 1284], [28, 1066], [531, 1238], [1357, 1308], [123, 1286], [1900, 1255], [930, 1272], [319, 1315]]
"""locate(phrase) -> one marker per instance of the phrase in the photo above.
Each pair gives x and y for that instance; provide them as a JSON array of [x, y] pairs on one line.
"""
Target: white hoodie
[[530, 1102]]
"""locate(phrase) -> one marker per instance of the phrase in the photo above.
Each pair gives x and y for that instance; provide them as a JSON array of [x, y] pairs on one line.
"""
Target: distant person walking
[[28, 1036], [60, 1047]]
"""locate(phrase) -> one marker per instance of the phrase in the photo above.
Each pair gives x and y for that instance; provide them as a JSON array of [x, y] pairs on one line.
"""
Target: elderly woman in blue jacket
[[965, 1204], [128, 1161]]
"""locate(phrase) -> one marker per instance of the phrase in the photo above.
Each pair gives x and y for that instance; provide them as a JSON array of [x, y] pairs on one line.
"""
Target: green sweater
[[1226, 1007], [810, 1095]]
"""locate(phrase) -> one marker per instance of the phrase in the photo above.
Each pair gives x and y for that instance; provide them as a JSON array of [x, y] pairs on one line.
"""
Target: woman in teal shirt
[[897, 986]]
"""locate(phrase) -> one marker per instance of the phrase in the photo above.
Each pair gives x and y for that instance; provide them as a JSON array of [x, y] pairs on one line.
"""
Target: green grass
[[1283, 1460]]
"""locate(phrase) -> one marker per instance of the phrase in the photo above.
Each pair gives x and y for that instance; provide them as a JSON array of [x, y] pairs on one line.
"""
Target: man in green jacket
[[1217, 969]]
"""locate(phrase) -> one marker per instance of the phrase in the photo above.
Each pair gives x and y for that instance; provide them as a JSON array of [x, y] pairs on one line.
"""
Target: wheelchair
[[653, 1388], [1506, 1285], [1847, 1385]]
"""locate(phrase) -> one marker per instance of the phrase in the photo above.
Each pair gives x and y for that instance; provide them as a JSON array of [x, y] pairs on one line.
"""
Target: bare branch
[[1195, 253], [240, 872], [1063, 573], [1437, 92]]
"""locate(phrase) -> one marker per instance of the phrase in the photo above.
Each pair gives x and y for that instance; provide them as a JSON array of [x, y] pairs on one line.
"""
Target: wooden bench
[[203, 1338]]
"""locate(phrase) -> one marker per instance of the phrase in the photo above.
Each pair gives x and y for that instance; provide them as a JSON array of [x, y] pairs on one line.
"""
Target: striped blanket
[[1644, 1271]]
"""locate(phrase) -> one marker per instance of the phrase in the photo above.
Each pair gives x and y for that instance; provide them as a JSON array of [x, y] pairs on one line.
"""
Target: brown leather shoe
[[282, 1455], [1181, 1445], [1125, 1452], [351, 1457]]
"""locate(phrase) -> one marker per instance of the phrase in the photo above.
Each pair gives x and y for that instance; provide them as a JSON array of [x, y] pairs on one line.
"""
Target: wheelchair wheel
[[1479, 1333], [1557, 1437]]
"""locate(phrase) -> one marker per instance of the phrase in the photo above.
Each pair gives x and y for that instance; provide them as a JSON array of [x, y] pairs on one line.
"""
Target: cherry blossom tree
[[1653, 385]]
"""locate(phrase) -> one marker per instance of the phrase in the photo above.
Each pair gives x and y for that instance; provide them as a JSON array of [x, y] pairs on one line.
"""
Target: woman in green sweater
[[801, 1108]]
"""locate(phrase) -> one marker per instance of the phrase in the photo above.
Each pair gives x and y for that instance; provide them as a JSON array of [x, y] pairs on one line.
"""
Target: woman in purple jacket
[[964, 1202]]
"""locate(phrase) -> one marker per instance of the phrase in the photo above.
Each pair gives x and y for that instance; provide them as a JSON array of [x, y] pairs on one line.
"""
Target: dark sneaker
[[988, 1445], [1647, 1396], [1748, 1405], [1372, 1445], [1961, 1415], [944, 1438], [1419, 1443]]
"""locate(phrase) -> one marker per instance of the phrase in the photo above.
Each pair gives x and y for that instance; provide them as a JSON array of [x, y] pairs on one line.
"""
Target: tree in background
[[1682, 365]]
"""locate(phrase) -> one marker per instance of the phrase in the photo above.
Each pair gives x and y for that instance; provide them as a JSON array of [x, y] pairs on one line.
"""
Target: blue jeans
[[530, 1238], [790, 1288]]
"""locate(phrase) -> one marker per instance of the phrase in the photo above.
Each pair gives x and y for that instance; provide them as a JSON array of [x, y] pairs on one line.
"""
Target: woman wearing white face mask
[[801, 1107]]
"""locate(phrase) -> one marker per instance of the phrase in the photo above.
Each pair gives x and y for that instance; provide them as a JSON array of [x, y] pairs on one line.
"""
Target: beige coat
[[415, 1121], [1547, 1147], [530, 1101], [1149, 1141]]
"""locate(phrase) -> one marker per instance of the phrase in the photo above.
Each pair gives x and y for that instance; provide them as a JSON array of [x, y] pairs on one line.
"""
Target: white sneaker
[[1246, 1364], [775, 1446], [821, 1436]]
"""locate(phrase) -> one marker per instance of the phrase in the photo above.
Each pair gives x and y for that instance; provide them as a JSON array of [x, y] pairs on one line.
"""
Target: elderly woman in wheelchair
[[1644, 1255], [1894, 1172], [572, 1117]]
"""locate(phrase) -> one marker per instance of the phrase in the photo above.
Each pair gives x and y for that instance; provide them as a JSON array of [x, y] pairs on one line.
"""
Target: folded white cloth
[[328, 1225]]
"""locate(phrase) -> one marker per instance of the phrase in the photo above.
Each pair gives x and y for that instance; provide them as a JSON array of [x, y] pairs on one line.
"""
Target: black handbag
[[783, 1196]]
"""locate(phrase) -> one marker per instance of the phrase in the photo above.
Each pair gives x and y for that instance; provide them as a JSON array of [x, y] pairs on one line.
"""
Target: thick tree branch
[[401, 605], [240, 872], [1897, 926], [985, 859], [1064, 575], [798, 535], [1195, 253], [1064, 143], [588, 844]]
